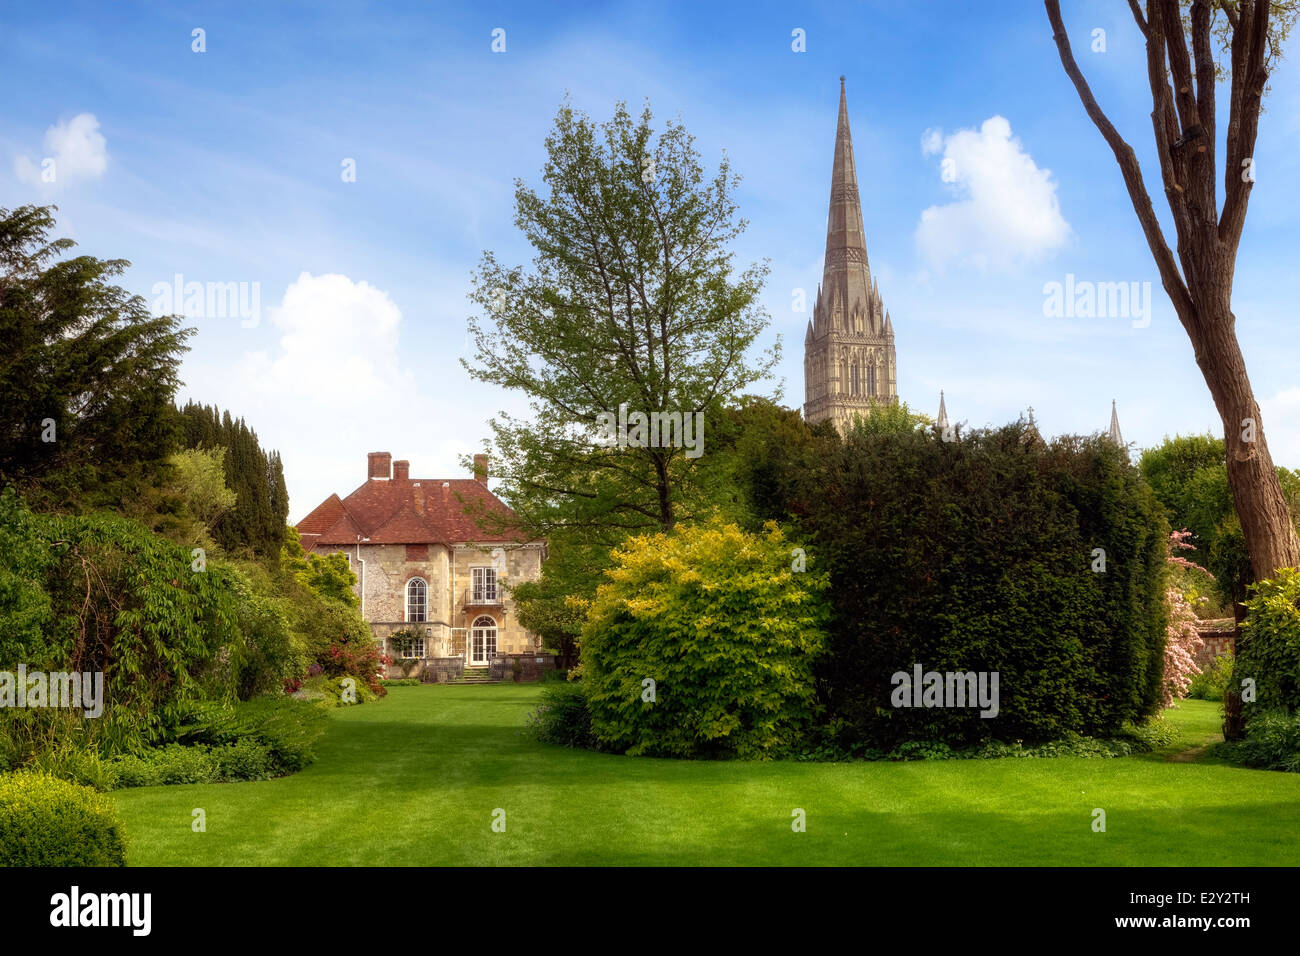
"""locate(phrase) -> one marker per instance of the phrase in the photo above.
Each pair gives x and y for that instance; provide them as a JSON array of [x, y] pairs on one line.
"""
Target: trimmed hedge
[[978, 555], [45, 821]]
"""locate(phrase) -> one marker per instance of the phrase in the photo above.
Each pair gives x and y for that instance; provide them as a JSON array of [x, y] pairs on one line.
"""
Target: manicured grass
[[415, 778]]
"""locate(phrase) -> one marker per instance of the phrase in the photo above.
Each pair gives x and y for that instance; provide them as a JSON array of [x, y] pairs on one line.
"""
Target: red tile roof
[[405, 511]]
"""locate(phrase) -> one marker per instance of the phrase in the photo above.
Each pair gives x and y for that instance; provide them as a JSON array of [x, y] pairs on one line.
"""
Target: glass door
[[483, 585], [483, 641]]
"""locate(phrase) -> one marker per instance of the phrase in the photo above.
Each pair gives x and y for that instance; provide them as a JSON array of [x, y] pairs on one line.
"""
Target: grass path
[[415, 778]]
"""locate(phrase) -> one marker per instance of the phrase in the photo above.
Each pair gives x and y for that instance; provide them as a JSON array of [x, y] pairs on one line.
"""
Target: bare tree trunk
[[1257, 495], [666, 517], [1183, 121]]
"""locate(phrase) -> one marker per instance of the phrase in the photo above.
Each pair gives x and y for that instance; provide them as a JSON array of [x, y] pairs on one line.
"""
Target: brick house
[[424, 565]]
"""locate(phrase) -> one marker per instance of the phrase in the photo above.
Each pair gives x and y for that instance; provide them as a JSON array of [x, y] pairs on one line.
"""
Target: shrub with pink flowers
[[1184, 640]]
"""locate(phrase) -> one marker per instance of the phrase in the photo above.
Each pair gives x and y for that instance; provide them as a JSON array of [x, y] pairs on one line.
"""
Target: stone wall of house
[[514, 565], [387, 569], [449, 575]]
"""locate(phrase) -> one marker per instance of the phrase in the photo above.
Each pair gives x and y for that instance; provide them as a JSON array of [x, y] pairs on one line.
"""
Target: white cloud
[[338, 328], [75, 150], [1007, 213], [335, 384], [343, 379], [1281, 415]]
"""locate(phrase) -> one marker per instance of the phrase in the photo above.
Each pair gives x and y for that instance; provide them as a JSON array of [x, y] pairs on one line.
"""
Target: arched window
[[871, 380], [482, 640], [417, 600]]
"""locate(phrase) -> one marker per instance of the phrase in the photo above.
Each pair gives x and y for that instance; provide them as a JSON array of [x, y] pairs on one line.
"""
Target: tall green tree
[[87, 374], [256, 523], [756, 450], [1189, 474], [632, 306]]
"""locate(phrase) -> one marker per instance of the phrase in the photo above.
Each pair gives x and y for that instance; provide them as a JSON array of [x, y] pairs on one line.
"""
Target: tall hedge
[[978, 555]]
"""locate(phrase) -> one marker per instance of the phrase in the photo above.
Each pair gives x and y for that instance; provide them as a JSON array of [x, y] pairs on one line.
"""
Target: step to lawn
[[475, 675]]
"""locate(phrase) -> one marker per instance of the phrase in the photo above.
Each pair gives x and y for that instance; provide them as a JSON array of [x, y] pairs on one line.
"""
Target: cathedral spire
[[942, 421], [1114, 434], [849, 362], [846, 276]]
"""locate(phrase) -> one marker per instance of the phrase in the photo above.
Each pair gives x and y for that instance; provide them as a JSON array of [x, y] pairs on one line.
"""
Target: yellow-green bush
[[45, 821], [725, 625]]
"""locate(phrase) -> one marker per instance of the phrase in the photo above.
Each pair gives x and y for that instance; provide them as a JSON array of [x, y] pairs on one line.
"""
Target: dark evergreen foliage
[[256, 523], [87, 374], [978, 555]]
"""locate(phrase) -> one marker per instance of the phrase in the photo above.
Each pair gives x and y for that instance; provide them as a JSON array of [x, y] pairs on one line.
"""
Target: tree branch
[[1249, 77], [1137, 15], [1129, 168], [1173, 165], [1205, 91]]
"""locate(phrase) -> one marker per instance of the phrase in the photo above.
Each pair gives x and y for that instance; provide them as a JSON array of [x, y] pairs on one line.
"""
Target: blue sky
[[225, 166]]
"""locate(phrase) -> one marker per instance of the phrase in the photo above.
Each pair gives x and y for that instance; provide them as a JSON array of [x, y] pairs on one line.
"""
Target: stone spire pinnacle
[[846, 277], [849, 362], [942, 420], [1114, 435]]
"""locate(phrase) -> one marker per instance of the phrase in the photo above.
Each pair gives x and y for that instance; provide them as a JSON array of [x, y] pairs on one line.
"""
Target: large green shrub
[[1270, 641], [135, 770], [725, 628], [174, 764], [287, 728], [1211, 682], [101, 593], [324, 615], [268, 653], [244, 760], [332, 692], [1272, 742], [45, 821], [563, 717], [980, 555]]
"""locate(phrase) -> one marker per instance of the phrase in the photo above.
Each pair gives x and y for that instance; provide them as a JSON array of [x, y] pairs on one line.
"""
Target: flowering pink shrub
[[1184, 641], [1181, 648]]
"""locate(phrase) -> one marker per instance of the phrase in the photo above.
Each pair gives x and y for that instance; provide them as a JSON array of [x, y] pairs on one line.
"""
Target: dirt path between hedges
[[1191, 755]]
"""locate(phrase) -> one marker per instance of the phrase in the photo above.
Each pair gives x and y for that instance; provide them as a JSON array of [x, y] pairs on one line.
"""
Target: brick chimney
[[401, 470], [481, 468], [380, 463]]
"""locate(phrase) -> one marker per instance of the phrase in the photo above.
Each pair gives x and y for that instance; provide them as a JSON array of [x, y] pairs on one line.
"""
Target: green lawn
[[415, 778]]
